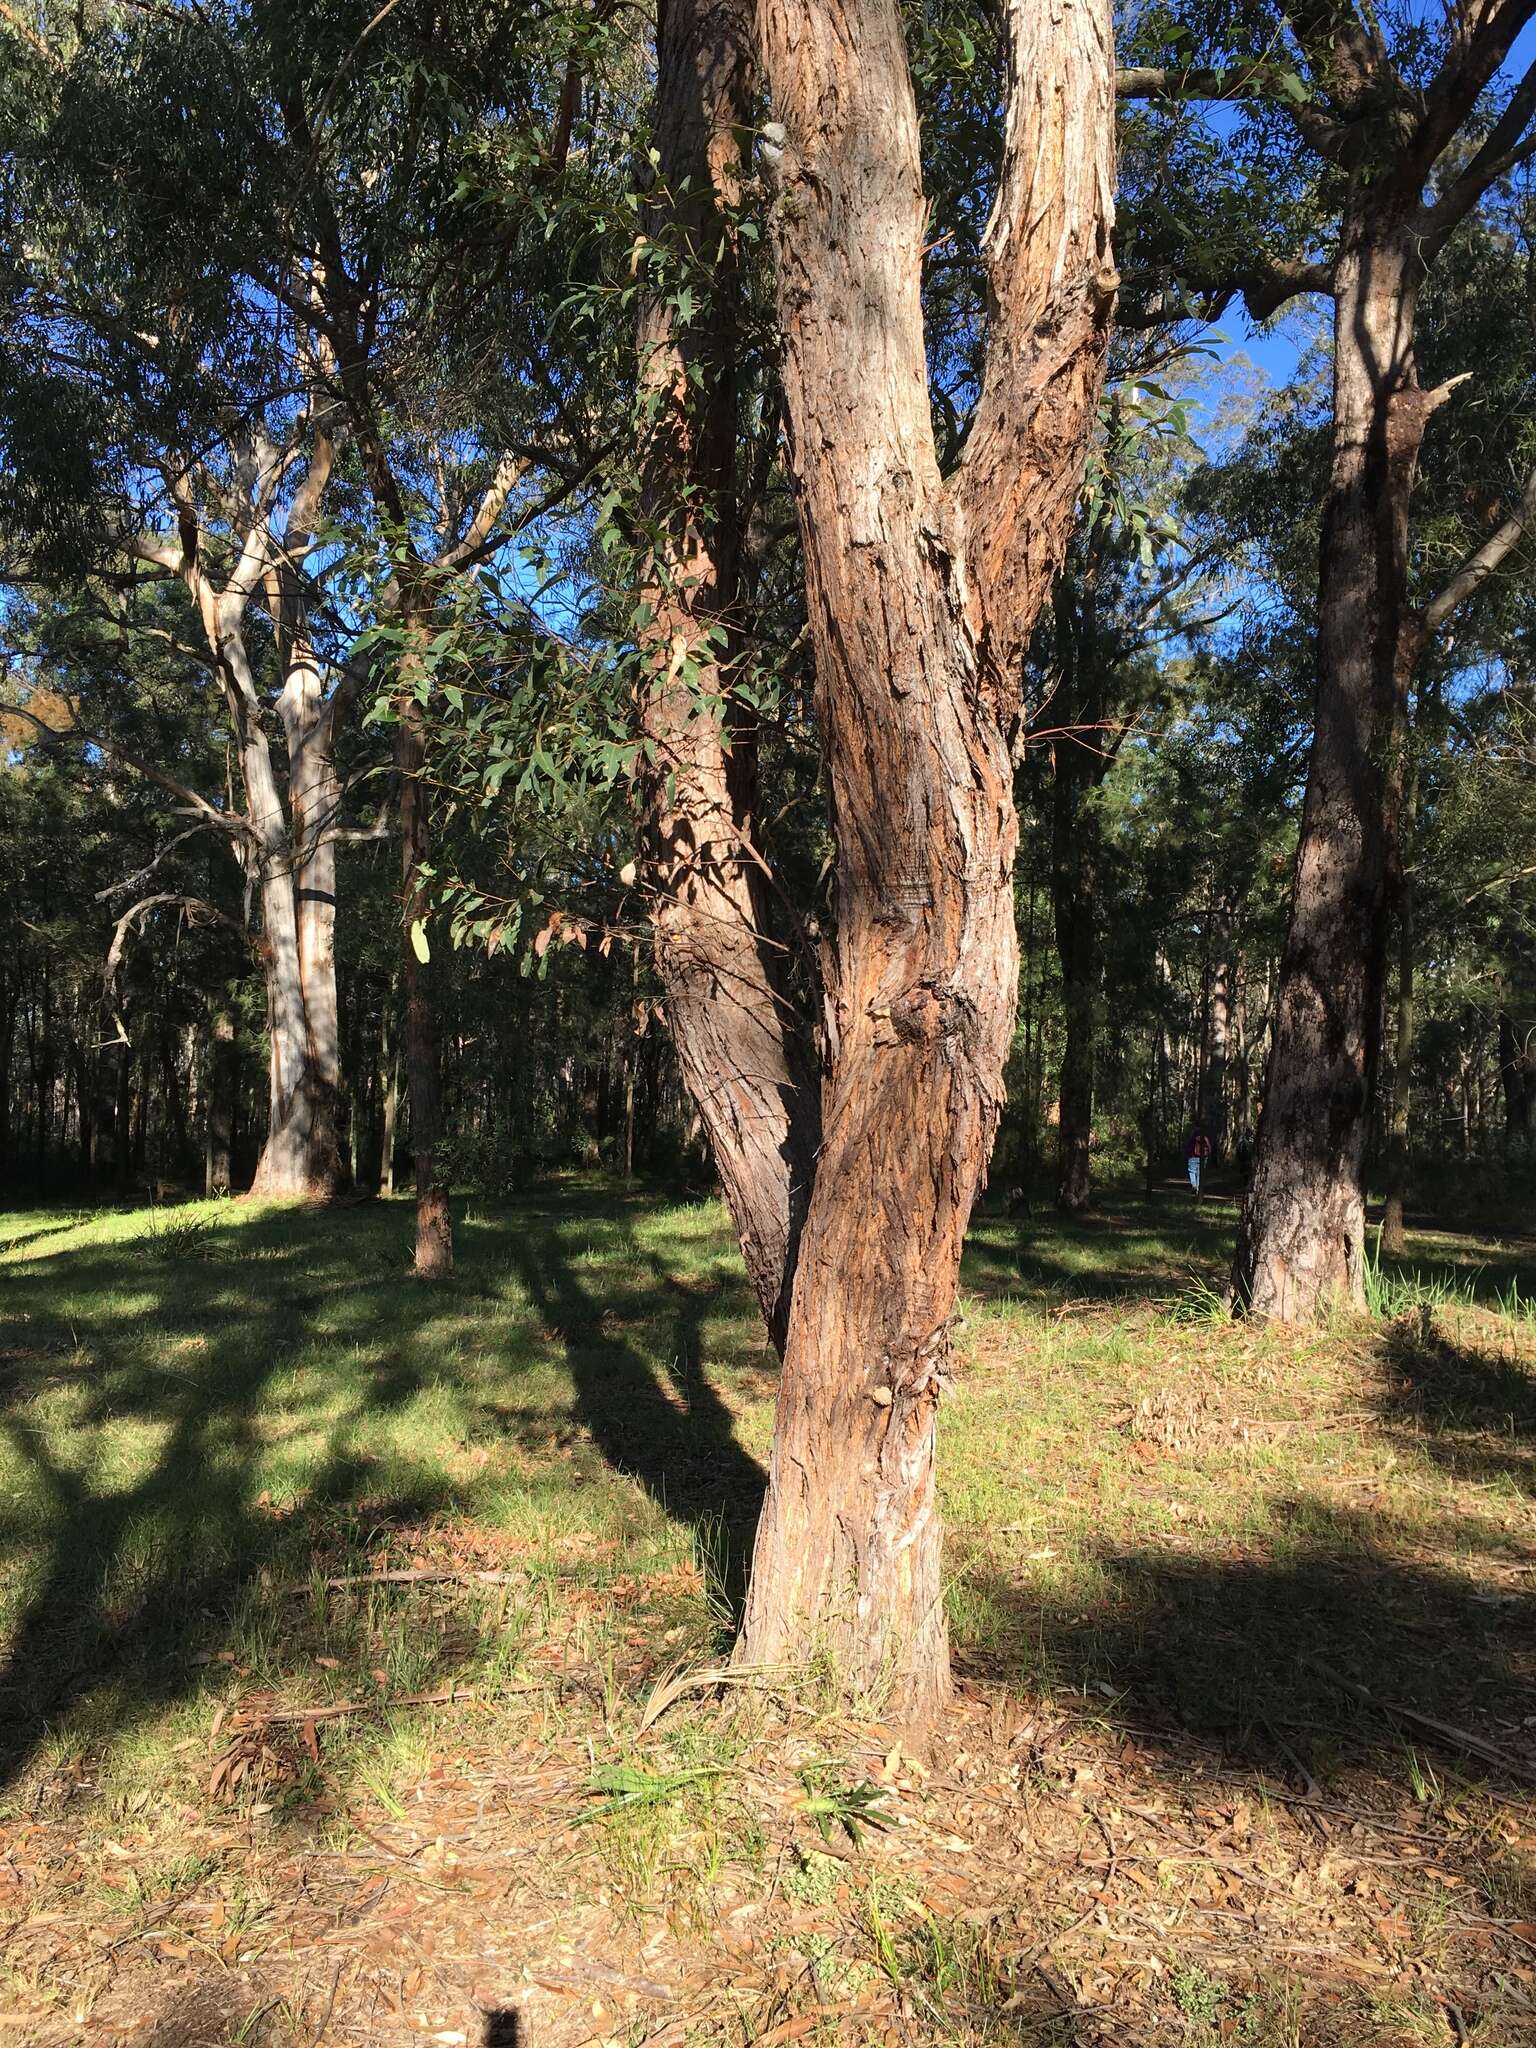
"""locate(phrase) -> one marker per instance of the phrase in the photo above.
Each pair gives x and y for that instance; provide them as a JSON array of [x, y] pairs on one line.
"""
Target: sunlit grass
[[201, 1426]]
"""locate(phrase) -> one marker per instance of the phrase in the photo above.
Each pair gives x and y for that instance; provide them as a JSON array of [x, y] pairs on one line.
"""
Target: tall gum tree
[[1387, 142], [286, 832], [921, 592]]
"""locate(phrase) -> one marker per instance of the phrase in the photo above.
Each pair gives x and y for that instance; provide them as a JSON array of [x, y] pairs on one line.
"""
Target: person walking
[[1197, 1149]]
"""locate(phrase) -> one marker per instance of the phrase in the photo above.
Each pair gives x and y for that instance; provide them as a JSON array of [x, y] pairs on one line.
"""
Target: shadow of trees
[[131, 1559], [661, 1424], [1228, 1652], [1469, 1407], [141, 1526]]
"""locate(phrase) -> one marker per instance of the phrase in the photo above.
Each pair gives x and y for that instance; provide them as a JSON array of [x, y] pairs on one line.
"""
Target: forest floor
[[1243, 1748]]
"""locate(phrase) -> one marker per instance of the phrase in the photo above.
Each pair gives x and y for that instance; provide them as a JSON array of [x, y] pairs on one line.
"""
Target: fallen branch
[[808, 2022], [423, 1577], [1361, 1815], [1459, 1738], [248, 1717]]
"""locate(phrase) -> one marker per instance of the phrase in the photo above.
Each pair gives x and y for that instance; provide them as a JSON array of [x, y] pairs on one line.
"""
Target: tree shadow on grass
[[1132, 1248], [1139, 1247], [1469, 1406], [138, 1396], [131, 1561], [648, 1406], [1265, 1662]]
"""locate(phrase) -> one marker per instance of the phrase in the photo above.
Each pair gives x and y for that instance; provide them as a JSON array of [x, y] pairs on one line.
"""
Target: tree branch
[[1169, 85], [1480, 564], [20, 26], [1507, 144], [195, 907], [144, 873], [492, 504], [1481, 40], [199, 805]]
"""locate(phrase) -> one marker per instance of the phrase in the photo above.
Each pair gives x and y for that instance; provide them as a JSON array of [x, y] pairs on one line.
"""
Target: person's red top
[[1199, 1146]]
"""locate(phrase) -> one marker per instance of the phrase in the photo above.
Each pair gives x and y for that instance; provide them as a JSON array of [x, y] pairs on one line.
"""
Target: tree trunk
[[1393, 1229], [122, 1121], [1074, 868], [726, 1002], [299, 1157], [219, 1094], [920, 595], [434, 1224], [389, 1089], [1218, 1040], [314, 804], [8, 1009], [1517, 1072], [1302, 1239], [175, 1106]]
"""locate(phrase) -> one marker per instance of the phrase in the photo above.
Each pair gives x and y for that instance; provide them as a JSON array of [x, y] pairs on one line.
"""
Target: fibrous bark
[[740, 1056], [1302, 1239], [920, 594]]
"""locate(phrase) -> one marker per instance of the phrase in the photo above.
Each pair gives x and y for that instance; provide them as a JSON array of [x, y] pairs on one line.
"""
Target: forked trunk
[[1302, 1240], [726, 1003], [919, 596]]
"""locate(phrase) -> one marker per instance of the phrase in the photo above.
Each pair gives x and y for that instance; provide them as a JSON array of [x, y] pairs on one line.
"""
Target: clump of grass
[[1200, 1302], [178, 1237]]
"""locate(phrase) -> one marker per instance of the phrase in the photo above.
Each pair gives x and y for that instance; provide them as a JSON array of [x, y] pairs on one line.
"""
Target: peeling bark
[[920, 594], [736, 1038]]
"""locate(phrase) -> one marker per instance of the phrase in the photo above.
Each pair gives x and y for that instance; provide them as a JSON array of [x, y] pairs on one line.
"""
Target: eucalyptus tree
[[1366, 142], [442, 175], [921, 589], [334, 416], [1137, 582], [189, 439]]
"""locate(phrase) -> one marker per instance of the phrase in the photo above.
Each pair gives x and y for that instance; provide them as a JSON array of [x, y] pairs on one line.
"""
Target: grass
[[1179, 1549]]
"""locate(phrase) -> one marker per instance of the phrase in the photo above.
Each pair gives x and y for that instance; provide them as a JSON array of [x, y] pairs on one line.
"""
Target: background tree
[[1358, 142]]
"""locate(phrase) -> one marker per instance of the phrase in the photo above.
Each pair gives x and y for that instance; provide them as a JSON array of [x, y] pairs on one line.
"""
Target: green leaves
[[626, 1788], [830, 1804], [419, 944]]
